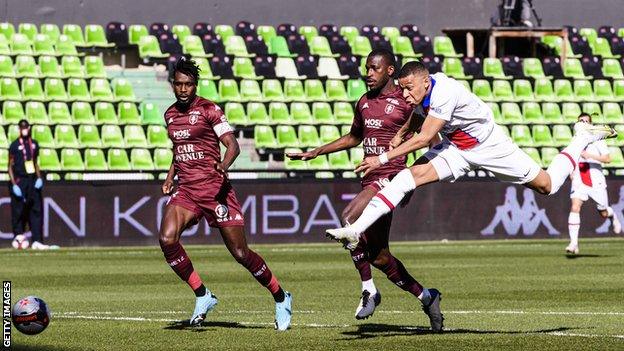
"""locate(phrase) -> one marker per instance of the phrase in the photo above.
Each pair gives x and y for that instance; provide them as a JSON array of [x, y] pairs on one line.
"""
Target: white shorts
[[497, 154], [584, 192]]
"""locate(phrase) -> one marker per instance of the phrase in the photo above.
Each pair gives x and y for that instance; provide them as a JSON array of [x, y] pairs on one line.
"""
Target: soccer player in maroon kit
[[196, 126], [380, 114]]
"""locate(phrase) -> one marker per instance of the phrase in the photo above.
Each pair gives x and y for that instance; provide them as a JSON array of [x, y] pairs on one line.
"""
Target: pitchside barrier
[[288, 211]]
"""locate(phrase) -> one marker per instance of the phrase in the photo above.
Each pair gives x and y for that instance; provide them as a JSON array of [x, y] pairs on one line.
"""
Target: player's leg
[[236, 243], [600, 196], [35, 219], [574, 223], [18, 206]]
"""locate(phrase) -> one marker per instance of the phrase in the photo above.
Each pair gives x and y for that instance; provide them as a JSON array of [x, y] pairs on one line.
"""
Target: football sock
[[396, 273], [385, 200], [425, 297], [574, 222], [565, 162], [201, 291], [181, 264], [369, 286], [259, 269], [361, 263], [610, 213]]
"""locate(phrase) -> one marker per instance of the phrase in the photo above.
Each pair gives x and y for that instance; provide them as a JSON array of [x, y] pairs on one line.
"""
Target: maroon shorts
[[214, 200]]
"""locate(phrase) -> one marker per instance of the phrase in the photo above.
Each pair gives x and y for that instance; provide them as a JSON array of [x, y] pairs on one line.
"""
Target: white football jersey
[[469, 121], [589, 171]]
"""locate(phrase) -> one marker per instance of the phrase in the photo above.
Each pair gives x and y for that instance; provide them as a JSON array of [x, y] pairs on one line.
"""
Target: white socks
[[369, 285], [574, 222], [425, 297], [562, 165], [385, 200], [610, 213]]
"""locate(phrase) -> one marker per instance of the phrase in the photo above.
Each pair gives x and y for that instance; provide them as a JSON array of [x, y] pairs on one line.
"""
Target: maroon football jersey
[[376, 122], [195, 135]]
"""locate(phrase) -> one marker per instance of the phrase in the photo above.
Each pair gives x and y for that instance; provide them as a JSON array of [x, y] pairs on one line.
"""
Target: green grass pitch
[[497, 295]]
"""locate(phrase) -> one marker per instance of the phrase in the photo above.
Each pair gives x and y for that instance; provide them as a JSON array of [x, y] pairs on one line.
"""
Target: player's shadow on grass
[[205, 326], [375, 330], [572, 257]]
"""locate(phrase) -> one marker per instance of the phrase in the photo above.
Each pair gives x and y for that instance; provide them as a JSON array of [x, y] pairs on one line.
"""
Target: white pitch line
[[562, 313]]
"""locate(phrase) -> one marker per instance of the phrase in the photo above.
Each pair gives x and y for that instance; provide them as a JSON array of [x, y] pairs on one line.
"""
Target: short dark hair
[[386, 54], [23, 123], [412, 67], [585, 114], [187, 67]]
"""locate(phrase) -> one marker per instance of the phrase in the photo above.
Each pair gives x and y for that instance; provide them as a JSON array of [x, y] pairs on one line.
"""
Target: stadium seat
[[349, 33], [228, 90], [7, 29], [101, 90], [328, 133], [293, 90], [243, 68], [32, 90], [583, 90], [322, 113], [521, 135], [10, 89], [72, 67], [81, 113], [492, 67], [123, 90], [361, 46], [77, 90], [13, 112], [442, 45], [118, 160], [257, 113], [150, 48], [562, 135], [74, 32], [452, 67], [20, 45], [112, 136], [43, 45], [618, 89], [343, 111], [95, 36], [65, 137], [294, 165], [94, 67], [403, 46], [340, 161], [532, 113], [264, 137], [328, 67], [611, 68], [4, 142], [314, 90], [319, 163], [6, 67], [594, 110], [105, 113], [128, 113], [320, 46], [192, 45], [572, 69], [250, 91], [612, 113], [55, 89], [602, 48], [300, 113], [43, 135], [511, 113], [336, 90], [541, 135], [163, 159], [532, 67], [117, 33], [58, 112], [481, 88], [94, 160], [272, 90], [308, 136], [13, 132], [141, 160], [150, 114], [28, 29], [563, 90], [4, 46], [235, 113], [552, 113], [278, 113], [267, 33], [619, 140], [522, 90], [617, 159], [501, 90], [235, 45], [157, 137], [25, 66], [570, 111], [36, 113], [355, 89], [134, 136], [602, 90], [49, 160], [208, 90], [181, 31], [278, 46], [49, 67], [136, 32], [89, 136], [65, 47], [544, 90], [71, 160], [224, 30], [498, 117]]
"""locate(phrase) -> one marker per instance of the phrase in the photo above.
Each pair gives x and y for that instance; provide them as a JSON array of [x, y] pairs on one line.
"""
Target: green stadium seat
[[532, 113], [328, 133], [266, 33], [13, 132], [498, 117], [328, 67], [308, 136], [36, 113], [9, 89], [602, 90], [619, 140], [89, 136], [4, 46], [112, 136], [278, 46], [13, 112], [355, 89], [235, 113], [43, 135], [511, 113], [149, 48], [94, 67], [257, 113], [4, 142], [28, 29], [314, 90], [224, 30], [141, 160], [105, 113], [617, 159], [272, 90], [235, 45], [72, 67], [49, 67], [544, 90], [349, 33], [150, 113], [612, 113], [466, 84], [522, 90], [25, 66], [570, 112], [32, 90], [7, 29], [278, 113], [65, 137], [294, 165], [58, 112], [20, 45], [320, 46], [208, 90], [308, 32], [442, 45], [563, 90], [583, 90], [391, 33], [594, 110], [319, 163], [300, 113], [611, 69], [101, 90], [521, 135], [293, 90], [192, 45], [562, 135], [493, 67], [618, 89], [157, 137], [322, 113], [343, 111], [51, 30], [118, 160], [541, 135], [532, 67], [264, 137], [136, 32], [94, 160], [49, 160], [95, 36], [361, 46], [481, 88], [43, 45], [134, 136], [501, 89], [552, 113], [128, 113], [250, 90], [403, 46], [163, 159], [602, 48], [452, 67], [81, 113], [589, 33], [55, 89], [548, 154], [205, 72], [572, 69], [181, 31], [78, 90], [228, 90], [336, 90], [65, 47], [74, 32], [533, 154], [6, 67], [340, 161], [356, 155]]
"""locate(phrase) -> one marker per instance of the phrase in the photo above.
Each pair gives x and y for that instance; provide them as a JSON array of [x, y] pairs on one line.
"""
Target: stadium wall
[[100, 214], [430, 15]]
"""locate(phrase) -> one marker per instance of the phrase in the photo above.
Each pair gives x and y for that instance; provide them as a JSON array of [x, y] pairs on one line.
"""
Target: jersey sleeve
[[217, 119], [443, 101], [357, 127]]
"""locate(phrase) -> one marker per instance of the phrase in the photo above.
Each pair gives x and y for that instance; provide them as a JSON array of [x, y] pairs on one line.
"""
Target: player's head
[[24, 128], [585, 117], [380, 65], [415, 82], [185, 79]]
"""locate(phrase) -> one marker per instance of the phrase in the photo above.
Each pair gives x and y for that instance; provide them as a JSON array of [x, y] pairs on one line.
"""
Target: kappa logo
[[221, 211], [170, 120], [238, 217], [365, 105], [389, 109]]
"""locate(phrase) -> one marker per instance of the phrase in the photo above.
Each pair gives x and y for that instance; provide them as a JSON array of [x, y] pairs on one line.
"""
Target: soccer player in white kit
[[471, 140], [588, 181]]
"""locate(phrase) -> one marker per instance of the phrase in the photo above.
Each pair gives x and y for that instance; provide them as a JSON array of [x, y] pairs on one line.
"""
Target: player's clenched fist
[[368, 165], [302, 155], [167, 187], [395, 141]]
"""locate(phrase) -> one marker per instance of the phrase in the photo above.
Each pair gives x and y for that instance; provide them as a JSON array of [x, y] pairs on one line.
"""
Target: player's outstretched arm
[[232, 150], [604, 158], [344, 142]]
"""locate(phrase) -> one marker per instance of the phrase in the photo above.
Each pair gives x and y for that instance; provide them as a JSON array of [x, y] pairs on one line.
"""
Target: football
[[20, 242], [31, 315]]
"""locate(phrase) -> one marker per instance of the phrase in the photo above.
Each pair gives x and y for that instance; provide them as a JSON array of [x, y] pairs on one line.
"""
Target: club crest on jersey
[[389, 108], [221, 211], [194, 117], [393, 101]]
